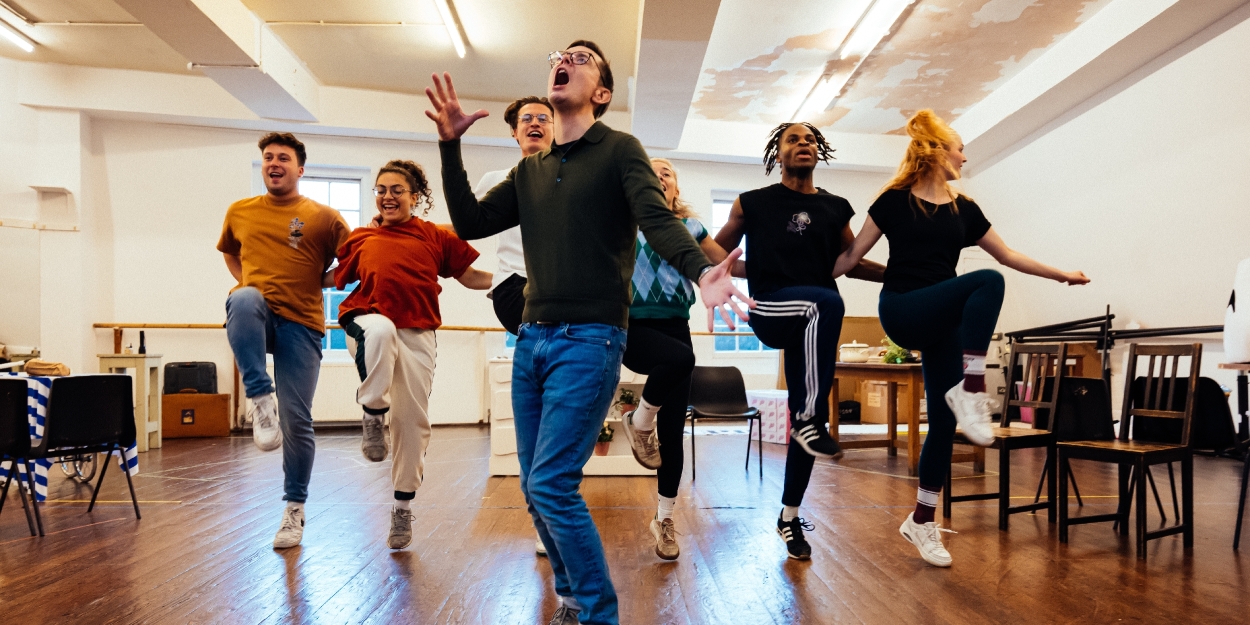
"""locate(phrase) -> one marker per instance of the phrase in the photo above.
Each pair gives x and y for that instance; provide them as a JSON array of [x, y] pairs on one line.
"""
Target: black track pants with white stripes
[[805, 321]]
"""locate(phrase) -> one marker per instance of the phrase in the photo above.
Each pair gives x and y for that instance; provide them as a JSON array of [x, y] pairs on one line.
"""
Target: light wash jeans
[[563, 379], [253, 330]]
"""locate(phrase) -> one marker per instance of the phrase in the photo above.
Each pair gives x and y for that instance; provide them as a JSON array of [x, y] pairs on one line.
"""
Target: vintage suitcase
[[200, 377], [194, 415]]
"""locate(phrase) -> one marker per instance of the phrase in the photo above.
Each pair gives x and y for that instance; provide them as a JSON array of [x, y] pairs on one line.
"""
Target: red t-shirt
[[398, 268]]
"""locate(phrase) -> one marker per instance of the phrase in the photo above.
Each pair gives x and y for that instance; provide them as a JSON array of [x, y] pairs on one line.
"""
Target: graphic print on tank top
[[792, 238]]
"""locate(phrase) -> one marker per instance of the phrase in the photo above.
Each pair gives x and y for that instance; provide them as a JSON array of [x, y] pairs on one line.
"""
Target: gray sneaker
[[291, 532], [401, 529], [665, 539], [644, 443], [373, 443], [564, 616]]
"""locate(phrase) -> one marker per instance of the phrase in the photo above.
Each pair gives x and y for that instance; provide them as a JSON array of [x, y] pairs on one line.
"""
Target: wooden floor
[[202, 553]]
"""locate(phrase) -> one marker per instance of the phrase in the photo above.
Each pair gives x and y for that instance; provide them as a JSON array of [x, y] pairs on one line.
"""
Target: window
[[343, 195], [722, 203]]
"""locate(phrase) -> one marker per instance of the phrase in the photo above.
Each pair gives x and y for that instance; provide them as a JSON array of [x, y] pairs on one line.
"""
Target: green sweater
[[579, 214]]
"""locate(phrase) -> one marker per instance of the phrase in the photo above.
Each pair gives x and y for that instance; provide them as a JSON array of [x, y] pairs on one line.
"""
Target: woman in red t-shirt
[[392, 315]]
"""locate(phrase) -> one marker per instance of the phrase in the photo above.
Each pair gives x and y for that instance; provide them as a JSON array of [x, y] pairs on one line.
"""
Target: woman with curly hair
[[924, 305], [392, 315]]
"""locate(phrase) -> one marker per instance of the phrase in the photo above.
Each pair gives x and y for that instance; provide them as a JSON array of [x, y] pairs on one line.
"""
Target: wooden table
[[1243, 429], [893, 375], [148, 382]]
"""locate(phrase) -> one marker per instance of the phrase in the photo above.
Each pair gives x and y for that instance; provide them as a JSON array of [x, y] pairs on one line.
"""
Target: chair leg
[[694, 470], [1176, 510], [129, 484], [34, 497], [95, 493], [1141, 509], [1076, 490], [1123, 505], [1052, 479], [1041, 481], [1125, 474], [759, 449], [1241, 501], [1150, 477], [746, 465], [21, 494], [1004, 487], [1187, 509], [4, 494], [1062, 462]]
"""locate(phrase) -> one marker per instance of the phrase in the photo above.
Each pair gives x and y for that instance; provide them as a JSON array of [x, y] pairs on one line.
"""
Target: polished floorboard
[[202, 552]]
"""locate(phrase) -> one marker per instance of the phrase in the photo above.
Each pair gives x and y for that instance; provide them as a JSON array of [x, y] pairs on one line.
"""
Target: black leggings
[[805, 321], [942, 321], [661, 350]]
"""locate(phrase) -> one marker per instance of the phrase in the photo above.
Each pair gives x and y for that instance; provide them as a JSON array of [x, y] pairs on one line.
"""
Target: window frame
[[727, 196]]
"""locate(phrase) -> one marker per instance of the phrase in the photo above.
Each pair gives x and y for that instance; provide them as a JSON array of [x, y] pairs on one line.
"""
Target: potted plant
[[894, 354], [605, 440], [627, 401]]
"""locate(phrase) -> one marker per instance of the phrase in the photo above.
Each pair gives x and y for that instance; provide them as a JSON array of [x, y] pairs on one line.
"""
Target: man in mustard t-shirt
[[279, 246]]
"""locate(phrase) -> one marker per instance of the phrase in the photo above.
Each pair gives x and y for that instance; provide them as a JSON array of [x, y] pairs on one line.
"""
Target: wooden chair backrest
[[1041, 368], [1160, 386]]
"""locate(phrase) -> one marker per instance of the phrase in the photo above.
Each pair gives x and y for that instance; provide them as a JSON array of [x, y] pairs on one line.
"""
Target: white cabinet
[[503, 458]]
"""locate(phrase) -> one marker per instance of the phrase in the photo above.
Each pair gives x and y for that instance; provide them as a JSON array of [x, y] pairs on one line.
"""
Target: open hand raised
[[451, 120]]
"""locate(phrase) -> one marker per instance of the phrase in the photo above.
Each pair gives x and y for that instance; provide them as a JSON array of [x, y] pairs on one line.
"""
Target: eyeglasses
[[542, 118], [578, 57], [396, 191]]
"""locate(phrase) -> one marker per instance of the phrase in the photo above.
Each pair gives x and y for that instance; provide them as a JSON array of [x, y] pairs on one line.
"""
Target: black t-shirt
[[924, 249], [793, 238]]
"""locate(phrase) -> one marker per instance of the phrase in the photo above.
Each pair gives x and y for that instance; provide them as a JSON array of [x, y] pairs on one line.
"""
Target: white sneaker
[[927, 538], [292, 529], [263, 414], [972, 413], [644, 443], [539, 547]]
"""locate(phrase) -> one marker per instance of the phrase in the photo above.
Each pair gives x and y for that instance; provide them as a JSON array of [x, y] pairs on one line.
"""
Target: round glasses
[[396, 191], [542, 118]]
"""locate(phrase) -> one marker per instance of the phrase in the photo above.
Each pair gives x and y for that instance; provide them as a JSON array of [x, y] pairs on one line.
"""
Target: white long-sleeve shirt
[[508, 248]]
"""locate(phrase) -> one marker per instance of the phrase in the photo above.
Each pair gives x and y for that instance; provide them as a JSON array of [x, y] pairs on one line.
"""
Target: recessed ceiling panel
[[99, 34]]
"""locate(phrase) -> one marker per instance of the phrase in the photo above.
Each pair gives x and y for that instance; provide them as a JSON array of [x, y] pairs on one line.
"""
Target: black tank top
[[793, 238]]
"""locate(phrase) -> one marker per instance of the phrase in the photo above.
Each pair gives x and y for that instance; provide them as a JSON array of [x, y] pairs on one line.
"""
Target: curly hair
[[420, 185], [773, 150], [287, 139]]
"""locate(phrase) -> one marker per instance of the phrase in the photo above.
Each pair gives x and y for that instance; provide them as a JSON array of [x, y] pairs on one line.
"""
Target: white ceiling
[[705, 69]]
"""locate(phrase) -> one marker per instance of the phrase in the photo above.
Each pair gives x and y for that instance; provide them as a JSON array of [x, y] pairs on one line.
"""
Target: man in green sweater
[[579, 205]]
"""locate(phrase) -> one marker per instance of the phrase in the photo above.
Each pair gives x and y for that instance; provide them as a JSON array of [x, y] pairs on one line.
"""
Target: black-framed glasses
[[396, 191], [542, 118], [576, 57]]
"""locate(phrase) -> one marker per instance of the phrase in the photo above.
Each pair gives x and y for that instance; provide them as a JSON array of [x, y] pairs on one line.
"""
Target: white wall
[[1147, 192]]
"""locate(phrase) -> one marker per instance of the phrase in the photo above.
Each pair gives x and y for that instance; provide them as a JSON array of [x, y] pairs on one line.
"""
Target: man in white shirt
[[533, 126]]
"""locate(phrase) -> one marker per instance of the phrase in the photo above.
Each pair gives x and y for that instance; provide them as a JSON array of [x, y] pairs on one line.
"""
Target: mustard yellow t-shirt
[[285, 250]]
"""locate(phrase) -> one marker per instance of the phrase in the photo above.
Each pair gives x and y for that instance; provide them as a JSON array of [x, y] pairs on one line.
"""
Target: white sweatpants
[[399, 374]]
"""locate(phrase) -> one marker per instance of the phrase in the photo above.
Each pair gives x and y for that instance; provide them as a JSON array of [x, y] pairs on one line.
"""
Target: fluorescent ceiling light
[[873, 27], [14, 35], [453, 31]]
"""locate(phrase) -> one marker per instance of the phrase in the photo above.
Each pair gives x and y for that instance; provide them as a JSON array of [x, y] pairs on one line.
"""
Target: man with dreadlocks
[[795, 232]]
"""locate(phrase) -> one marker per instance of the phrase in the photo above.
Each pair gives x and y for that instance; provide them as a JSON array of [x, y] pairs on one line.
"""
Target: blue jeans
[[253, 330], [563, 379]]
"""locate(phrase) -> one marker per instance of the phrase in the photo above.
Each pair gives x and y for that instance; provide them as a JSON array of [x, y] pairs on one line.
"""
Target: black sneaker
[[792, 533], [810, 433]]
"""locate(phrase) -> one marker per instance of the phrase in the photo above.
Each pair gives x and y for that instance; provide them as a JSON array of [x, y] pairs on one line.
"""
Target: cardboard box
[[194, 415], [872, 406]]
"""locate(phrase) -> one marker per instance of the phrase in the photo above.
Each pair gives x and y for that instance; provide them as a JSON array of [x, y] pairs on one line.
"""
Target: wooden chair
[[15, 442], [720, 393], [1159, 400], [1040, 368]]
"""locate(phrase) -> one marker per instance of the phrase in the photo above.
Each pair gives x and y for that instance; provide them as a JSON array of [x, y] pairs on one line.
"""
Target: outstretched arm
[[471, 219], [994, 245], [866, 270], [475, 279], [850, 259]]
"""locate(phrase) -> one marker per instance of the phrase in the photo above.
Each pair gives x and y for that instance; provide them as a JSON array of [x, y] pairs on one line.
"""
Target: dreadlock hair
[[420, 185], [773, 150]]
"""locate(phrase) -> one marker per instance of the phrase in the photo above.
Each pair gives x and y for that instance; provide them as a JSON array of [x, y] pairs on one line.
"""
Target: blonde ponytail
[[926, 156]]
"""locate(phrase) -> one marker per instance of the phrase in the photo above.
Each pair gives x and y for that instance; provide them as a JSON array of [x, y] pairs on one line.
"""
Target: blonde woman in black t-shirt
[[925, 306]]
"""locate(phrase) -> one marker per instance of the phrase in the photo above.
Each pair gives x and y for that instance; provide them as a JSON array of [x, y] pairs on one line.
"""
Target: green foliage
[[605, 433], [627, 397], [894, 354]]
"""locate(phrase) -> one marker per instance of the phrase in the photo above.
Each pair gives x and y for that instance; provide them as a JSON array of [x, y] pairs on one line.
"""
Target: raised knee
[[991, 278], [248, 295]]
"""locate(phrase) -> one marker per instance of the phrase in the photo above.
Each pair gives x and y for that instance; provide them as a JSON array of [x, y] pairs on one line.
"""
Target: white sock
[[665, 510], [296, 505], [644, 416], [403, 504], [789, 512]]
